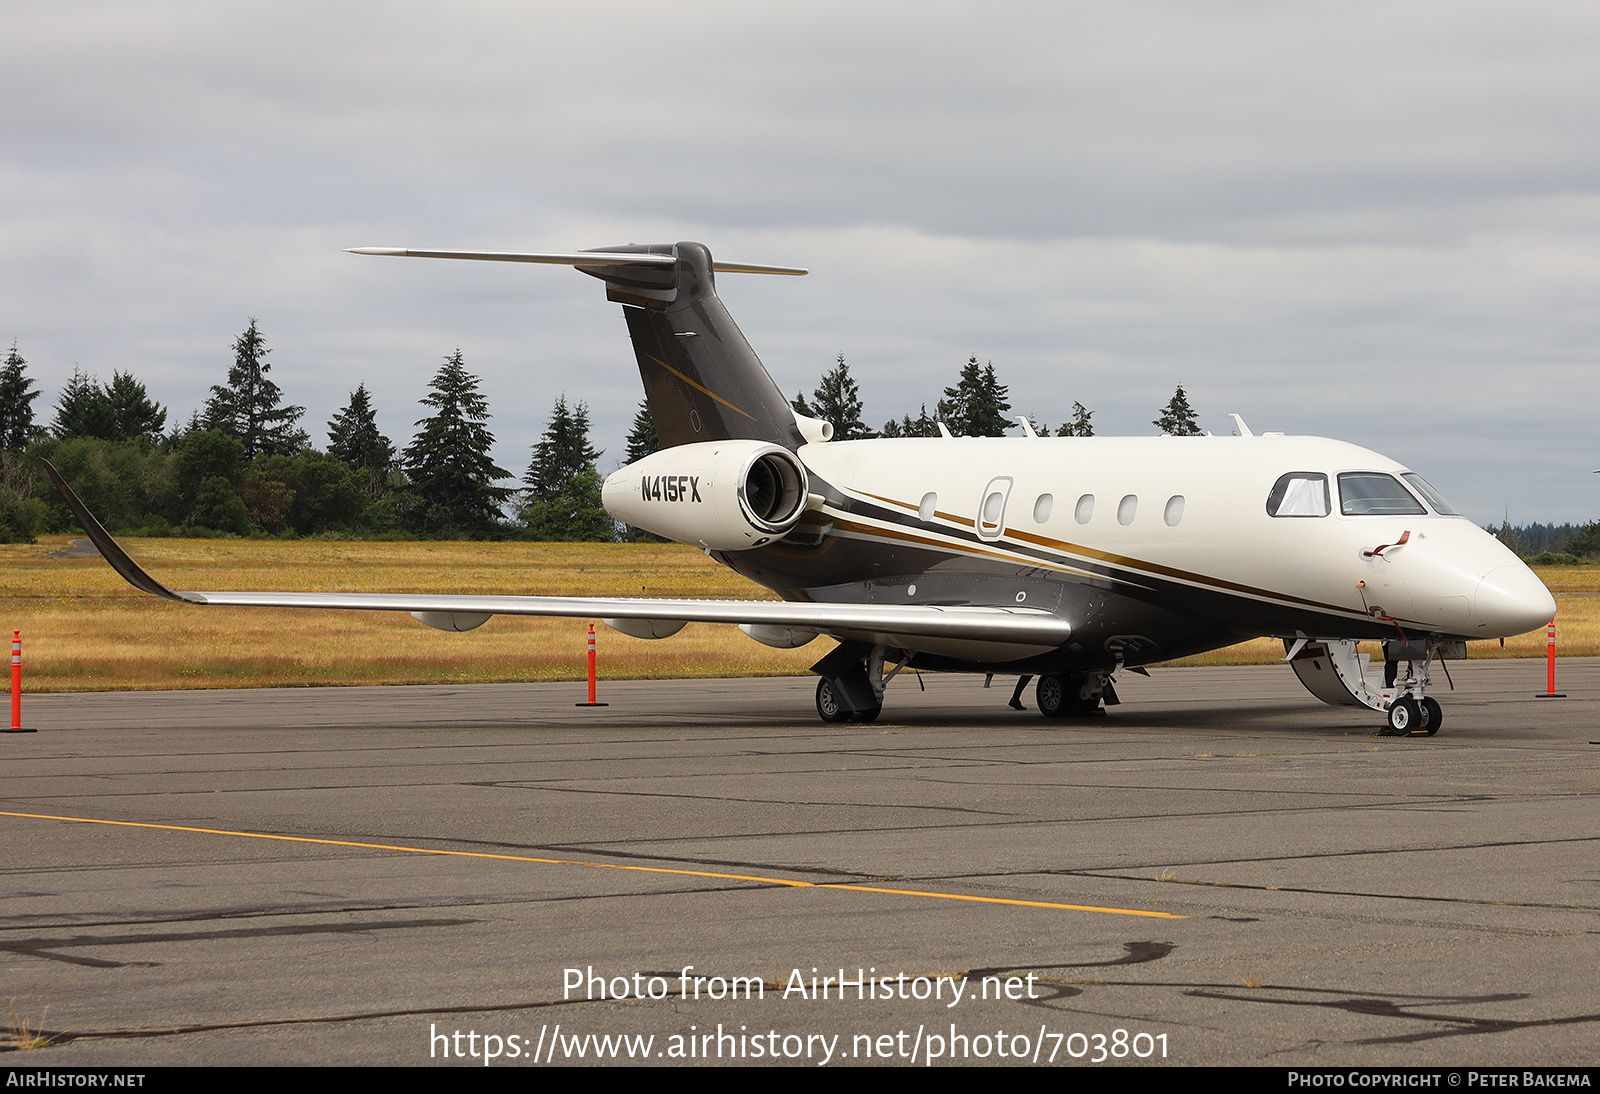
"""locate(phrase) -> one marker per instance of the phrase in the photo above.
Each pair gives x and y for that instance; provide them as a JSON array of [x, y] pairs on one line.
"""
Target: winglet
[[109, 548]]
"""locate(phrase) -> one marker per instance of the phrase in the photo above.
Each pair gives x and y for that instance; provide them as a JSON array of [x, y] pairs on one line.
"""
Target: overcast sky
[[1372, 221]]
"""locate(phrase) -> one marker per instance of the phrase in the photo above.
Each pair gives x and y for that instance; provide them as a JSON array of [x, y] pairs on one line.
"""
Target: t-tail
[[702, 381]]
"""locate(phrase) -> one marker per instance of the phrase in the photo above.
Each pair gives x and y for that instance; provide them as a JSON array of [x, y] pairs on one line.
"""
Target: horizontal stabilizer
[[575, 258]]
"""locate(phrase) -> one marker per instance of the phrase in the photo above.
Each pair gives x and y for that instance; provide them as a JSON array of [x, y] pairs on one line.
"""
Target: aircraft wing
[[995, 624]]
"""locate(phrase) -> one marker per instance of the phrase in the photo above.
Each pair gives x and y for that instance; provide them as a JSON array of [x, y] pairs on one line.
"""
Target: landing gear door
[[1336, 673], [991, 522]]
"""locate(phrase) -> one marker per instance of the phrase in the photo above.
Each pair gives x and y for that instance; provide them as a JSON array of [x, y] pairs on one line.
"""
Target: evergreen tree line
[[1551, 544], [975, 406], [242, 464]]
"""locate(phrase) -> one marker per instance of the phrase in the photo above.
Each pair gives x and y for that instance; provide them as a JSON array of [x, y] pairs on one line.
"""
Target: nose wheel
[[1410, 717]]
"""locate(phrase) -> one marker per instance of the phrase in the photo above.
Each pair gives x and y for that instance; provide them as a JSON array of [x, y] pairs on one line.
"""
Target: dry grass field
[[84, 629]]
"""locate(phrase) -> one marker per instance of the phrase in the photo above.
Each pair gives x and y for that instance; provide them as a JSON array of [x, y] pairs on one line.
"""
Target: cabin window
[[1435, 499], [930, 503], [1174, 511], [1085, 509], [1299, 494], [993, 506], [1041, 508], [1374, 494], [1127, 508]]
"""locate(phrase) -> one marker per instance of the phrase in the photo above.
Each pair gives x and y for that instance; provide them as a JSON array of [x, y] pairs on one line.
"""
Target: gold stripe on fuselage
[[1156, 568], [956, 546]]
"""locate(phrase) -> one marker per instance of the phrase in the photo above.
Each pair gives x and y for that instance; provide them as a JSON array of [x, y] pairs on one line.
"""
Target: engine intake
[[720, 495]]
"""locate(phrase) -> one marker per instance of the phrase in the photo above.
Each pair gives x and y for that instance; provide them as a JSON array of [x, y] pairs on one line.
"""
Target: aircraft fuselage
[[1152, 548]]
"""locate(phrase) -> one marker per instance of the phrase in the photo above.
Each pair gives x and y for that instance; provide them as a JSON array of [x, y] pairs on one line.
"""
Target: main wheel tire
[[1405, 716], [1435, 713], [867, 715], [828, 707], [1050, 695]]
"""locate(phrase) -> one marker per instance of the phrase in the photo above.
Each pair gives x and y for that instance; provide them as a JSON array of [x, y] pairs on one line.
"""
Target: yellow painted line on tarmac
[[602, 866]]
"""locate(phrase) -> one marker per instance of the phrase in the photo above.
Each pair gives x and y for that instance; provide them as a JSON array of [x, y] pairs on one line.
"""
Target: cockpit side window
[[1299, 494], [1434, 498], [1374, 494]]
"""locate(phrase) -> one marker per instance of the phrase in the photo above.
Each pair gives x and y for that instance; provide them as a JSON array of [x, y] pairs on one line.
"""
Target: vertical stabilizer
[[702, 380]]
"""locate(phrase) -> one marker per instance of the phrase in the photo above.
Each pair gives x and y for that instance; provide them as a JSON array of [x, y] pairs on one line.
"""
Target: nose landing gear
[[1334, 672], [1410, 717]]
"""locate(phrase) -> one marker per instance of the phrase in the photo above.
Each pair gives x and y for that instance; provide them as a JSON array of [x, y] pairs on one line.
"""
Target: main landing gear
[[1074, 694], [854, 674], [853, 678], [831, 709]]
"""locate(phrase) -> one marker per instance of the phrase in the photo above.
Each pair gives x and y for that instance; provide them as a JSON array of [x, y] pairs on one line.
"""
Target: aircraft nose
[[1511, 600]]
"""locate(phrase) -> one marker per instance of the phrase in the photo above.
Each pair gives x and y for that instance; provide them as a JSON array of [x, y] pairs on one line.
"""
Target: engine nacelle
[[721, 495]]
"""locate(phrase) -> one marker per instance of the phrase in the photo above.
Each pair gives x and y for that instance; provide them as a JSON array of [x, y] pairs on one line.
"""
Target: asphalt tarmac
[[1220, 871]]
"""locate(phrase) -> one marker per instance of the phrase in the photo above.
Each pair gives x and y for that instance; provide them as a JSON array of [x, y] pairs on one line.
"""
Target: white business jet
[[1069, 559]]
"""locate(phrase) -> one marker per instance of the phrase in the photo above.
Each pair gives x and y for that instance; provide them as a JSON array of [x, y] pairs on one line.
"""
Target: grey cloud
[[1369, 220]]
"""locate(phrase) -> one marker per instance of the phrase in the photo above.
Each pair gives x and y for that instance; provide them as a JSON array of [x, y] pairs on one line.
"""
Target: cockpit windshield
[[1374, 494]]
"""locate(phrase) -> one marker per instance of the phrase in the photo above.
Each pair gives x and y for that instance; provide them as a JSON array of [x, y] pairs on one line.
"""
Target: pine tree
[[642, 439], [354, 438], [837, 399], [1178, 417], [133, 413], [448, 461], [562, 501], [249, 408], [563, 451], [119, 411], [575, 515], [82, 409], [1586, 544], [989, 419], [801, 406], [920, 426], [977, 405], [17, 393], [1079, 426]]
